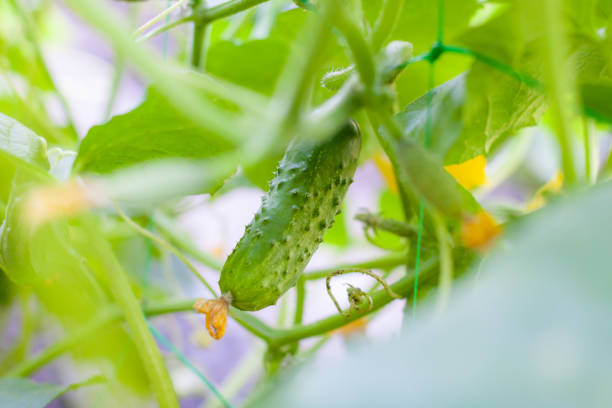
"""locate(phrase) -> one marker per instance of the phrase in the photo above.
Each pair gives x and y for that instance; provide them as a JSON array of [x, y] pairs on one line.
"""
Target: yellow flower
[[471, 173], [386, 170], [216, 311], [480, 231], [554, 185]]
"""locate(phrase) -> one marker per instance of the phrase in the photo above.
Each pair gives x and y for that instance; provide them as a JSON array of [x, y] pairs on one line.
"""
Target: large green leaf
[[254, 64], [25, 393], [17, 142], [153, 130], [447, 102], [418, 22], [533, 329], [422, 172]]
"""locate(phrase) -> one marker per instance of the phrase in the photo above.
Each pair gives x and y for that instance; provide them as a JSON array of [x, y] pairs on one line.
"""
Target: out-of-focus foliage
[[534, 319]]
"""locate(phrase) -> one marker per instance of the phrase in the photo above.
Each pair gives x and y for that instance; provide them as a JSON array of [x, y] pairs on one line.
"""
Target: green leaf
[[254, 64], [18, 143], [535, 319], [25, 393], [423, 173], [154, 130], [596, 100], [418, 22], [446, 122]]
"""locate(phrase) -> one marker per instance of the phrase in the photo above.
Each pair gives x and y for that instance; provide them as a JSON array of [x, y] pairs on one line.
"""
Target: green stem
[[360, 49], [591, 151], [300, 297], [559, 83], [112, 97], [209, 14], [161, 242], [164, 13], [384, 262], [163, 28], [179, 238], [247, 320], [245, 370], [395, 227], [28, 367], [145, 344], [379, 299], [21, 347], [203, 112], [298, 75], [33, 38], [199, 31], [446, 262], [386, 22]]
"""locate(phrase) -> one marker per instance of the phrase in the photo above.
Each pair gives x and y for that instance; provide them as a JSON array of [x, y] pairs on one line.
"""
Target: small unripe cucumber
[[300, 205]]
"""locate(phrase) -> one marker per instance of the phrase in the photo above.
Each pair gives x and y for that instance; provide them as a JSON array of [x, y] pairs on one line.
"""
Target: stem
[[386, 22], [356, 270], [201, 111], [209, 14], [179, 239], [22, 345], [591, 151], [103, 318], [300, 297], [403, 287], [199, 31], [163, 28], [163, 243], [244, 371], [559, 84], [364, 61], [146, 346], [299, 72], [384, 262], [33, 38], [248, 321], [395, 227], [117, 74], [159, 17], [446, 262]]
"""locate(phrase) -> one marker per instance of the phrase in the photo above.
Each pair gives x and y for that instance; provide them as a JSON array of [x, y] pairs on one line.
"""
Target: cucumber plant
[[313, 89]]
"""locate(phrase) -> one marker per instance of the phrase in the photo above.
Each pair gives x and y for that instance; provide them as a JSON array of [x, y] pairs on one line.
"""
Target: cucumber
[[303, 198]]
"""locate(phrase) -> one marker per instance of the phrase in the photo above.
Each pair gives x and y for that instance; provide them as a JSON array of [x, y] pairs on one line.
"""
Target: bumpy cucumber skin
[[300, 205]]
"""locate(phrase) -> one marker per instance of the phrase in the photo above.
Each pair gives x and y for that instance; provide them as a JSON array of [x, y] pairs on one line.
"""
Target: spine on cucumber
[[303, 199]]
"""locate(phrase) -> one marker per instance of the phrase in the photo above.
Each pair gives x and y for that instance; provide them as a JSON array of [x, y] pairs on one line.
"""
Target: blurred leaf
[[56, 262], [597, 98], [21, 143], [153, 130], [537, 317], [261, 173], [419, 20], [447, 102], [423, 172], [25, 393], [254, 64]]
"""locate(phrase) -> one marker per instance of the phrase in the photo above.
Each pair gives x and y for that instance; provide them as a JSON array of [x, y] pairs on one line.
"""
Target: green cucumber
[[304, 197]]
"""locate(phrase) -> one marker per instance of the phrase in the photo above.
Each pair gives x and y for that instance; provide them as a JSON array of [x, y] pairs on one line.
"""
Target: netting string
[[432, 56]]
